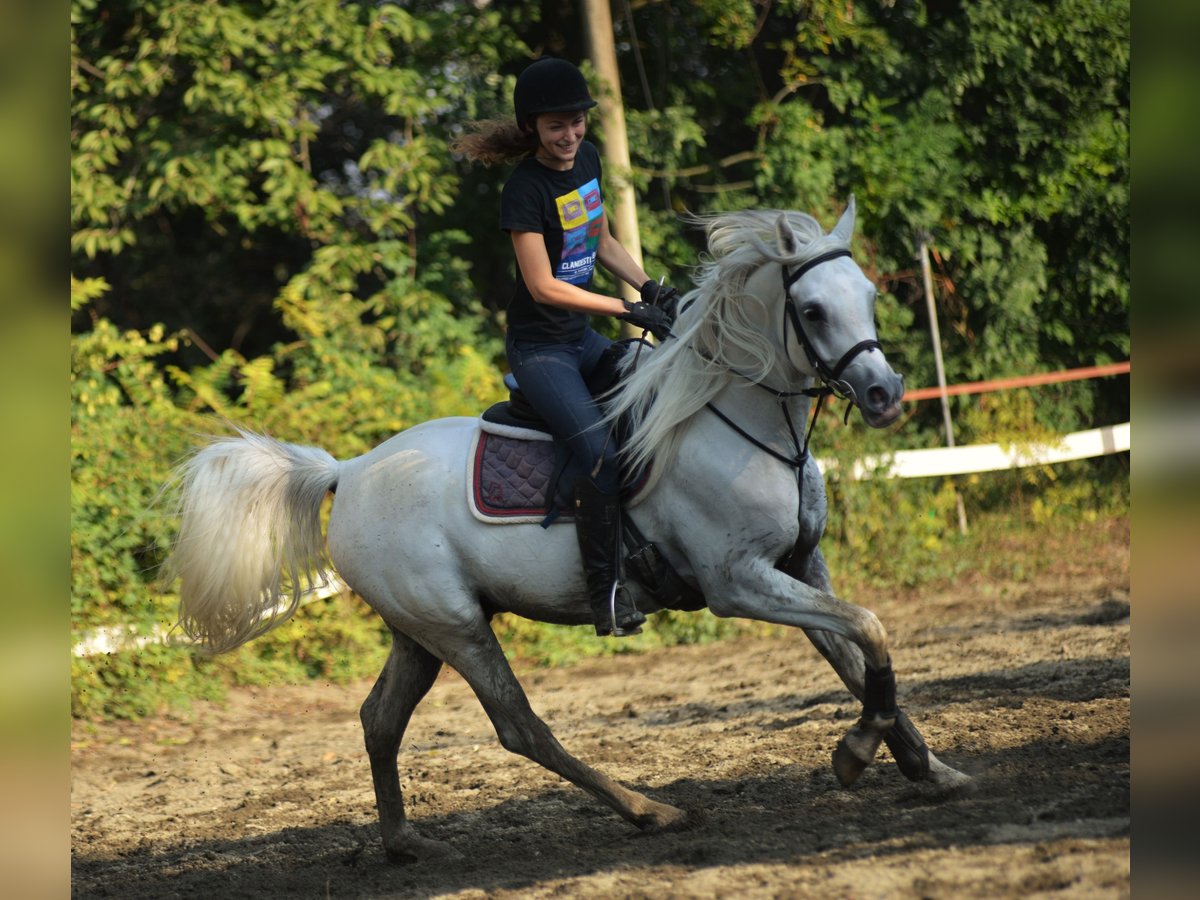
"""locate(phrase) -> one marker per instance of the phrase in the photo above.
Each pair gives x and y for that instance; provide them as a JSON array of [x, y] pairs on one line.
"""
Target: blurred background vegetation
[[268, 229]]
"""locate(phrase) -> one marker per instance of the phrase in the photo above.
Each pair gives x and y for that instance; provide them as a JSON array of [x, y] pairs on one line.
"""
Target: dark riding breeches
[[556, 378]]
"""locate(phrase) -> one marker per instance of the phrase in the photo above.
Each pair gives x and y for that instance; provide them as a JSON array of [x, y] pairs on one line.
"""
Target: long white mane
[[723, 322]]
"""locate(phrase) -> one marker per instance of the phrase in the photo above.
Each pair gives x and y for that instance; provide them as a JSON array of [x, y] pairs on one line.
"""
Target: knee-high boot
[[598, 527]]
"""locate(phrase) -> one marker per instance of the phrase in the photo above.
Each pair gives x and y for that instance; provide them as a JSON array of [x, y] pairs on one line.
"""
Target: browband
[[791, 278]]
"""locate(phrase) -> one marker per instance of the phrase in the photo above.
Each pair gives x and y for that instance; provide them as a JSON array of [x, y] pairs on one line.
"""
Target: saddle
[[515, 468], [516, 463]]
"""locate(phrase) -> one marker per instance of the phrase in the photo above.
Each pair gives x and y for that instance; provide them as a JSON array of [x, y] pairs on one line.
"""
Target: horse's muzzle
[[881, 402]]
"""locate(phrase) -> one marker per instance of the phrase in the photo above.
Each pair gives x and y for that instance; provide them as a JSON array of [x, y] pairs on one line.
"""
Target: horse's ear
[[844, 229], [789, 244]]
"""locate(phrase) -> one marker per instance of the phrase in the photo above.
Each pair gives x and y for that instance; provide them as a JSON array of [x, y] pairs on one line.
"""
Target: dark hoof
[[846, 765], [415, 849], [855, 751]]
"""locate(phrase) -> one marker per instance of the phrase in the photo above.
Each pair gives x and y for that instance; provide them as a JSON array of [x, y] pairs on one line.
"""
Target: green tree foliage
[[249, 185], [268, 229], [997, 130]]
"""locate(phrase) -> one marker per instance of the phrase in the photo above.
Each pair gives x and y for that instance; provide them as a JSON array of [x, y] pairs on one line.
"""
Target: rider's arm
[[614, 257], [530, 248]]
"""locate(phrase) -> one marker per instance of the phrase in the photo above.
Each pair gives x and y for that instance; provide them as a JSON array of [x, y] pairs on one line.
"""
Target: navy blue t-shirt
[[567, 209]]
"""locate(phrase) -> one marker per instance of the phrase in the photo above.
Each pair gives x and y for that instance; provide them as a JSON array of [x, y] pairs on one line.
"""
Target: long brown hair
[[494, 141]]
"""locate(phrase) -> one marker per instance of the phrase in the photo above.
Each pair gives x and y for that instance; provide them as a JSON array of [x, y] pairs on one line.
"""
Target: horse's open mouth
[[883, 417]]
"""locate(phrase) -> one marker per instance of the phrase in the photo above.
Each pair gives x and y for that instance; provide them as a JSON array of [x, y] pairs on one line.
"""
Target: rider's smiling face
[[559, 137]]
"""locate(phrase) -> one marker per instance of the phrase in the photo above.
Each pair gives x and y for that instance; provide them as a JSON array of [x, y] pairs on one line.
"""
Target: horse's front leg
[[913, 757], [907, 746], [754, 589], [858, 747]]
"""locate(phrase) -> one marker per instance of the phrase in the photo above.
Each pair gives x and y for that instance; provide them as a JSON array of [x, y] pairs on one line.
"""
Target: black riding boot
[[598, 526]]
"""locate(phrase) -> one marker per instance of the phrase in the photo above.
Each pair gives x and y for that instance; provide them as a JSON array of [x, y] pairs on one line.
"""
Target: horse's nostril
[[877, 397]]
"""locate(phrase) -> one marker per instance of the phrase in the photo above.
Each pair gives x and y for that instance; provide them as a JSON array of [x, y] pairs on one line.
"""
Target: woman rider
[[552, 208]]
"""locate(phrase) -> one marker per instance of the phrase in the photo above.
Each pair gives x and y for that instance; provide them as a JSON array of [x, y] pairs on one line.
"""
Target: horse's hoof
[[686, 818], [667, 818], [855, 751], [412, 848], [846, 765], [947, 781]]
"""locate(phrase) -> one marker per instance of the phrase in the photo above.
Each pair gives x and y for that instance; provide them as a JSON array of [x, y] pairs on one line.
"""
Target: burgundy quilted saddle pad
[[510, 478]]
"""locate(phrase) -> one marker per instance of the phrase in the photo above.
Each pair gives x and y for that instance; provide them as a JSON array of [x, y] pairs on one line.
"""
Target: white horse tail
[[250, 537]]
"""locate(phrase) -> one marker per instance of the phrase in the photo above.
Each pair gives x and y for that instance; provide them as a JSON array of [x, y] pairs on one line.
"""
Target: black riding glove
[[661, 295], [654, 319]]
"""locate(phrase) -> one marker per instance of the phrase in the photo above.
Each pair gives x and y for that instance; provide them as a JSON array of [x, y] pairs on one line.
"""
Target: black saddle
[[518, 412]]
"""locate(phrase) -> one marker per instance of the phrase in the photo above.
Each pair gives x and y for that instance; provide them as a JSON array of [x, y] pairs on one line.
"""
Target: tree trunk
[[624, 220]]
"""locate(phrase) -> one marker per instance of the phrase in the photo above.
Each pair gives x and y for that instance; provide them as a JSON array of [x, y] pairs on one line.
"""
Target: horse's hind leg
[[477, 656], [912, 755], [406, 678]]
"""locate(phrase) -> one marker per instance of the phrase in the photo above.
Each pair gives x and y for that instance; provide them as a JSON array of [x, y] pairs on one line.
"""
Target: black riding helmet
[[549, 85]]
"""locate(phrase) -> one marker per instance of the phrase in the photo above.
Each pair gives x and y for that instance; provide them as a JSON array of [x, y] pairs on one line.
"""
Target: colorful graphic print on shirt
[[580, 214]]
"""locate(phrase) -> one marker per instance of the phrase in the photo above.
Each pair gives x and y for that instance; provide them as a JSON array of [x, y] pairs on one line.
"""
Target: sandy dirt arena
[[1024, 684]]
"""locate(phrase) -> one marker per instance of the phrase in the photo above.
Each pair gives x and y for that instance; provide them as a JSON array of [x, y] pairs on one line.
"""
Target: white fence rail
[[985, 457]]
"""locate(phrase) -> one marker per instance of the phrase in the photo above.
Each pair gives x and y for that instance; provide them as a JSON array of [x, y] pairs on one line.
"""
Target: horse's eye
[[813, 314]]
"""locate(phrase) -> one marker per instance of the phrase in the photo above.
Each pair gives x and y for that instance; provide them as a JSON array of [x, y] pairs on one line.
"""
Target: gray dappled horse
[[735, 505]]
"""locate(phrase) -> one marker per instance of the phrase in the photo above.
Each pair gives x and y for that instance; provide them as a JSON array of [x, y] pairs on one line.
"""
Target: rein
[[832, 385]]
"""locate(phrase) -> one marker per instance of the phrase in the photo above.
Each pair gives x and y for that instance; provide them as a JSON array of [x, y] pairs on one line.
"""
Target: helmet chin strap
[[831, 377]]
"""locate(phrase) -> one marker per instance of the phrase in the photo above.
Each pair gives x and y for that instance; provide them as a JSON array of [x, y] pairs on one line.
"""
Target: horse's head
[[777, 302], [828, 320]]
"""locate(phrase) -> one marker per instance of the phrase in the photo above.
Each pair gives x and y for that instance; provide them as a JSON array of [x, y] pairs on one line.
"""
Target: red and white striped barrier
[[995, 457]]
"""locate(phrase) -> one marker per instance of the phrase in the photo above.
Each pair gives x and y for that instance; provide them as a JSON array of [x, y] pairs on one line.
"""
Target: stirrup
[[610, 627]]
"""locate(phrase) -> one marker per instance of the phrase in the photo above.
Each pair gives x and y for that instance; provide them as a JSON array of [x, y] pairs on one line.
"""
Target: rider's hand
[[661, 295], [654, 319]]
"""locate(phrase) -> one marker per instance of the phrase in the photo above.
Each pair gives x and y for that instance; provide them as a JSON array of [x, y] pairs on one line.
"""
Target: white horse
[[736, 505]]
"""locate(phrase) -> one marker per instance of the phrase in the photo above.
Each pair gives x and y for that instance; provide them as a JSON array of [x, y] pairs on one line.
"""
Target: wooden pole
[[936, 336], [623, 210]]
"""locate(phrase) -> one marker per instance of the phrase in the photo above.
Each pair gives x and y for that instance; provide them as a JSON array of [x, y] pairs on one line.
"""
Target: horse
[[781, 314]]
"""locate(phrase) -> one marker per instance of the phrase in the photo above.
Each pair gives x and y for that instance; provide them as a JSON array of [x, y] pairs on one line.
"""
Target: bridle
[[831, 376], [831, 385]]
